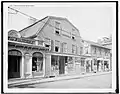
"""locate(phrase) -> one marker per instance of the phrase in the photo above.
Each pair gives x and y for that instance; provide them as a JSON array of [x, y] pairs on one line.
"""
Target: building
[[56, 34], [52, 47], [107, 42], [97, 56]]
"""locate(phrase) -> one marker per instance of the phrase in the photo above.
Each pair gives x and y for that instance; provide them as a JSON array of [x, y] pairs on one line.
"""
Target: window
[[47, 42], [64, 47], [100, 51], [73, 49], [57, 28], [86, 50], [57, 46], [73, 34], [95, 51], [73, 37], [81, 50]]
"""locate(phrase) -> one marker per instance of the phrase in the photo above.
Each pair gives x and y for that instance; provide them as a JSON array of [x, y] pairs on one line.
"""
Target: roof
[[37, 26], [96, 44], [33, 30]]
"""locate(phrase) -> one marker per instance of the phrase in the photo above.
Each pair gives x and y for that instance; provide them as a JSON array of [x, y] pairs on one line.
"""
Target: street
[[99, 81]]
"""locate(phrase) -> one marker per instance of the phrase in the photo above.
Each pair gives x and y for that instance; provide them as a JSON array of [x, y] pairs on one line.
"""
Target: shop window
[[82, 63], [54, 63]]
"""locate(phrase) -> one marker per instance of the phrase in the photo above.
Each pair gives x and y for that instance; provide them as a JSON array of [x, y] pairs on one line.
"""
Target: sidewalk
[[45, 80]]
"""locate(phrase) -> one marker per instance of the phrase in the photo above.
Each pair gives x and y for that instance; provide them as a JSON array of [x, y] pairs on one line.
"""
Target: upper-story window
[[100, 51], [57, 28], [73, 37], [73, 34], [57, 46], [95, 50], [73, 49], [47, 43], [81, 50], [64, 47]]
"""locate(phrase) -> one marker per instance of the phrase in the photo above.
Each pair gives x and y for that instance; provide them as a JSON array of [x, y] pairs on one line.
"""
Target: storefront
[[106, 64], [26, 60], [61, 65], [89, 65]]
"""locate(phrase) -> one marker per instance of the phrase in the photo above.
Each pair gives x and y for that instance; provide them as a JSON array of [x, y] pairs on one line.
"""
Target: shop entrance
[[14, 59], [62, 65], [106, 66], [37, 64]]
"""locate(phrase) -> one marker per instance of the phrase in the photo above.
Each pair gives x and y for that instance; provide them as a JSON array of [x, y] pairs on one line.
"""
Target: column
[[22, 67], [47, 65], [73, 64], [28, 66], [103, 66], [109, 64], [85, 66]]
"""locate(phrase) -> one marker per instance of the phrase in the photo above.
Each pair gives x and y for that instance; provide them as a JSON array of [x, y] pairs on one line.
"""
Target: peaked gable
[[33, 29]]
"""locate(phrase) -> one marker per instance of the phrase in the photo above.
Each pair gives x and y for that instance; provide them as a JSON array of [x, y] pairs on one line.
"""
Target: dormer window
[[57, 32], [57, 28], [73, 37]]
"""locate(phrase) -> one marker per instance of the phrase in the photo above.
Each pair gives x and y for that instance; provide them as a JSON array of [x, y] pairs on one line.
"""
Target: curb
[[56, 79]]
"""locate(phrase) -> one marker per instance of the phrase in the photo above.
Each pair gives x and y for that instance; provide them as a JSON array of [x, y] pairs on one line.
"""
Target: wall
[[49, 32], [103, 50]]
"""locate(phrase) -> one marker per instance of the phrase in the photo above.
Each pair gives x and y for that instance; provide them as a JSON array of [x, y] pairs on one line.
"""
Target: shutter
[[52, 45]]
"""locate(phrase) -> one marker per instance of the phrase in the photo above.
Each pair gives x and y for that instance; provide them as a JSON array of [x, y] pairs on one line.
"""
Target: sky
[[93, 20]]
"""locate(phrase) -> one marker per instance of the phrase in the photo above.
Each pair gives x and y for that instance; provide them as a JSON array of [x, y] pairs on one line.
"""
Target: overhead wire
[[47, 23]]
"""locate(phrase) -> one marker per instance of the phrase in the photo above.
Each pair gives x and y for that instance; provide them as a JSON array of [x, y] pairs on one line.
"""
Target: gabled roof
[[96, 44], [35, 28]]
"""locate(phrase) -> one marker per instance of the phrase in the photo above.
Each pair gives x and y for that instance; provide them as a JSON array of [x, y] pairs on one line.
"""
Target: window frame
[[57, 29], [46, 43], [65, 48], [56, 45], [73, 50]]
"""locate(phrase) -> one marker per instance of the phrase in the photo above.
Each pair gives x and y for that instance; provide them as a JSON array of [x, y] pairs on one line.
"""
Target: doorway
[[14, 59]]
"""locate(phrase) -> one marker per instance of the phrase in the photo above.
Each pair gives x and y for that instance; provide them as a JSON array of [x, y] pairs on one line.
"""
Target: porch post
[[85, 66], [47, 65], [22, 67], [28, 66]]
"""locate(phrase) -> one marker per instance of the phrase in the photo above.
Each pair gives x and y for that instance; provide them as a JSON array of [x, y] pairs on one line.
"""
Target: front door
[[62, 65], [14, 66]]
